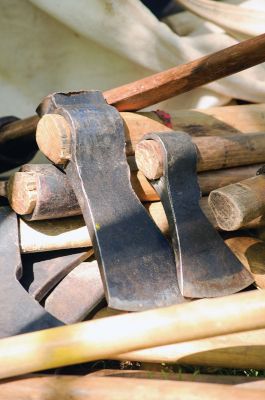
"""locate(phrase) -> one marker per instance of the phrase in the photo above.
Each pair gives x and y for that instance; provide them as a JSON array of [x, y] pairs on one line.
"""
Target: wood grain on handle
[[101, 339], [183, 78]]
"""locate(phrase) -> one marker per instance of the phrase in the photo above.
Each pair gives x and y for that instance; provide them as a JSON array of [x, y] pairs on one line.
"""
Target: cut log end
[[53, 136], [149, 158], [22, 192]]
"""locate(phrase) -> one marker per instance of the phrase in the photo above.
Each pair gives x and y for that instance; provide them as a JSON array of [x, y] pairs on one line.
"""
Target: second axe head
[[205, 265]]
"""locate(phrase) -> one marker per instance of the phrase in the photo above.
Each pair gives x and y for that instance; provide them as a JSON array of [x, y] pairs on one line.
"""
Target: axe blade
[[205, 265]]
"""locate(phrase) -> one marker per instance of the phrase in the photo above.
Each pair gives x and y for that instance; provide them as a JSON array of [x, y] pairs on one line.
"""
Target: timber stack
[[118, 248]]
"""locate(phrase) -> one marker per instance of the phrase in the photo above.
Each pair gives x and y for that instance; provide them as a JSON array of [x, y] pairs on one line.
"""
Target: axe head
[[205, 265]]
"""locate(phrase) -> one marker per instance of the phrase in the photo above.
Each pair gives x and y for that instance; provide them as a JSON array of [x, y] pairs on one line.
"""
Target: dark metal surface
[[42, 271], [205, 265], [19, 312], [136, 261], [15, 152]]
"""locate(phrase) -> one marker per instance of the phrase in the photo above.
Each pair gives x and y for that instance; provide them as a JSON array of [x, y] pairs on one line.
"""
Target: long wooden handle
[[181, 79], [175, 81], [237, 204], [105, 337]]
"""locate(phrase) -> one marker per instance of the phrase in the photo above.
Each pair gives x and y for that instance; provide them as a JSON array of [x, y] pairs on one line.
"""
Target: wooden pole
[[238, 204], [181, 79], [101, 339], [164, 85]]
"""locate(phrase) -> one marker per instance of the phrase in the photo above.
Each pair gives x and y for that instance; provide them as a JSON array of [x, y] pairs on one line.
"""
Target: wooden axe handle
[[237, 204], [101, 339], [183, 78], [164, 85]]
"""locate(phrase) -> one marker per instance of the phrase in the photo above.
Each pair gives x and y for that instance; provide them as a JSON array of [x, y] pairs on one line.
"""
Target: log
[[237, 204], [42, 192], [113, 388], [212, 153], [101, 339]]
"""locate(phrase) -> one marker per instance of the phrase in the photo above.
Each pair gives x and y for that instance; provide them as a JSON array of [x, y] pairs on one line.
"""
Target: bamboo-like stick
[[105, 337]]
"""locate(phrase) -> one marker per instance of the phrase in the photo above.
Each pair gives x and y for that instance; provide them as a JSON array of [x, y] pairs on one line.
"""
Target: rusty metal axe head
[[205, 265]]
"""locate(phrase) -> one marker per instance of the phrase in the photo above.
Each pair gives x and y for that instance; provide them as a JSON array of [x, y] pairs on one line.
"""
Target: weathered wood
[[113, 388], [105, 337], [43, 192], [238, 204]]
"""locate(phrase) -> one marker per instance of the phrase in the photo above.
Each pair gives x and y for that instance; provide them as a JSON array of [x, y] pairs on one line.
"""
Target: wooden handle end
[[53, 136], [22, 192], [149, 158]]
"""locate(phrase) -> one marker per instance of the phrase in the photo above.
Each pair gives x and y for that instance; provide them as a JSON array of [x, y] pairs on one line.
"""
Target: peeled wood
[[102, 338], [237, 204], [212, 153], [113, 388]]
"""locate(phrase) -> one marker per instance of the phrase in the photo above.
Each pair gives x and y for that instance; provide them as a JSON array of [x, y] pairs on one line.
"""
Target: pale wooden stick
[[113, 388], [105, 337]]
